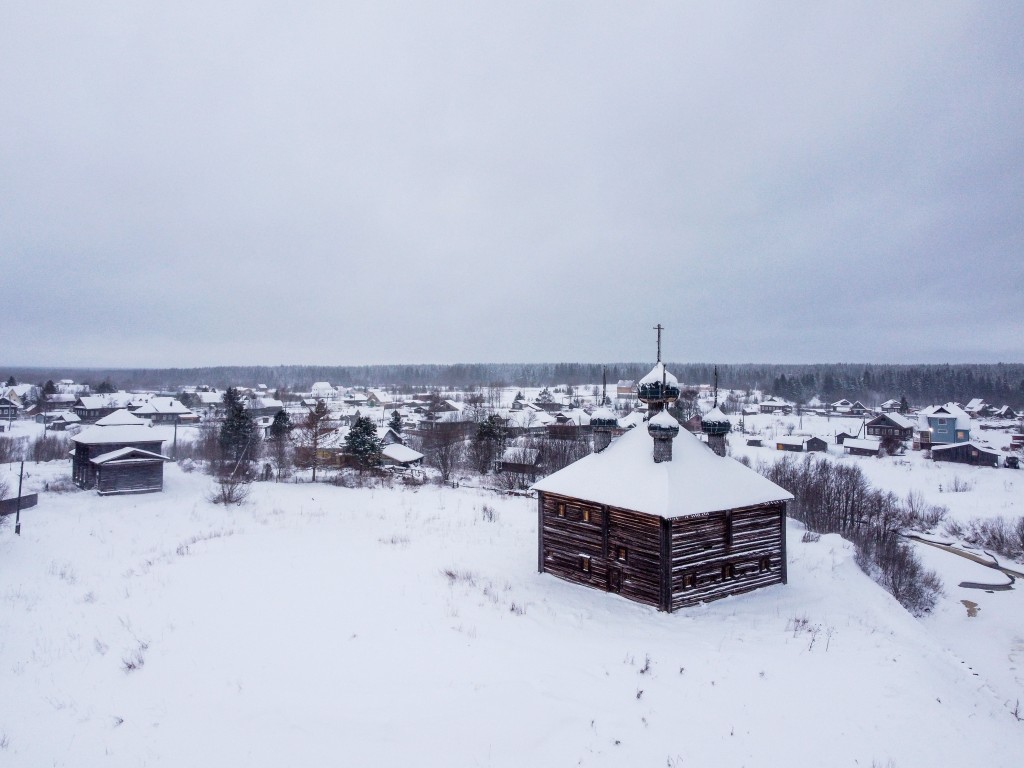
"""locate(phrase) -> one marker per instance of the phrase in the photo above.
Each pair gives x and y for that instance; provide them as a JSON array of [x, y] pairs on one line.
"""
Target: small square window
[[728, 571], [689, 580], [586, 515], [765, 564], [561, 509], [621, 553], [585, 563]]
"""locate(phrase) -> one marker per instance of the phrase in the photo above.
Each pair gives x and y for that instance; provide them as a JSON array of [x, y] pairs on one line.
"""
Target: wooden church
[[660, 517]]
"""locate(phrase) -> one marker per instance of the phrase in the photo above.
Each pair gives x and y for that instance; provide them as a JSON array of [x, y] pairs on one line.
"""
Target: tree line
[[999, 383]]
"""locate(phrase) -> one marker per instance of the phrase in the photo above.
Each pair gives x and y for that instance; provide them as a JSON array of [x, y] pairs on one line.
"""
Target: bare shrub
[[488, 513], [230, 487], [12, 449], [954, 529], [997, 534], [837, 498], [204, 447], [918, 515], [810, 537], [50, 446], [959, 485]]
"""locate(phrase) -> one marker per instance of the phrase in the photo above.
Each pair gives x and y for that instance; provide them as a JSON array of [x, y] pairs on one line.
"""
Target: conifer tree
[[396, 422], [238, 436], [362, 443]]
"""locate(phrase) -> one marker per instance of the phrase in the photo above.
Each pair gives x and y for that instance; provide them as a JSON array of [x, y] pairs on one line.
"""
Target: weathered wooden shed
[[966, 453], [118, 459], [659, 518], [871, 446]]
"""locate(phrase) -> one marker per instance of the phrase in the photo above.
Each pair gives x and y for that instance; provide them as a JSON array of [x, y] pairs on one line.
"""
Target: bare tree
[[443, 447], [313, 436]]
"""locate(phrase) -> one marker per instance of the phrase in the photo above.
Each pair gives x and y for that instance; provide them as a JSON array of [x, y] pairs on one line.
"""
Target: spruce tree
[[396, 422], [362, 443], [237, 437]]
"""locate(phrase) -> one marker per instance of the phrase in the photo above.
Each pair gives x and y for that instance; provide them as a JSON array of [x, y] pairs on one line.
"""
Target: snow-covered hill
[[319, 625]]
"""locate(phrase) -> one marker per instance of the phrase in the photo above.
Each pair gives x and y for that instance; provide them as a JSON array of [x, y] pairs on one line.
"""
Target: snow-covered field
[[318, 625]]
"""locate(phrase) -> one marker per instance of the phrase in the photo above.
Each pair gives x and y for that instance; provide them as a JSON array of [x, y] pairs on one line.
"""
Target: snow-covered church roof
[[696, 481], [655, 376]]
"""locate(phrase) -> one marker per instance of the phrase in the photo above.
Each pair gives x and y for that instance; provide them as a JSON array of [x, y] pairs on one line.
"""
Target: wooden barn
[[660, 518], [870, 446], [966, 453], [118, 459], [801, 444]]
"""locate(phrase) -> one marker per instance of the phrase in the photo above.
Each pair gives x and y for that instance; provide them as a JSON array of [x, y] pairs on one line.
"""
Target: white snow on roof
[[863, 443], [162, 405], [949, 410], [664, 419], [121, 453], [791, 440], [120, 418], [696, 481], [96, 435], [603, 413], [898, 420], [401, 453], [655, 376], [715, 414]]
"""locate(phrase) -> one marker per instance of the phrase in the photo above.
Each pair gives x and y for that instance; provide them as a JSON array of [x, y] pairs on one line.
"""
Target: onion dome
[[658, 386], [603, 417], [714, 422], [663, 425]]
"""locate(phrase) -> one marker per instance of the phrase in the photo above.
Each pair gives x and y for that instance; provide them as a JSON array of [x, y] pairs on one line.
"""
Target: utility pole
[[17, 510]]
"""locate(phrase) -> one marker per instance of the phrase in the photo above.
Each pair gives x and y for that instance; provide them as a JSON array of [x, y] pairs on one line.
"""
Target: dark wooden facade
[[130, 476], [817, 445], [966, 453], [8, 409], [883, 426], [665, 563]]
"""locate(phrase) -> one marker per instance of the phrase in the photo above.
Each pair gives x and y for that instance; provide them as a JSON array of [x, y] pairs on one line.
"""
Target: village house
[[166, 410], [8, 409], [941, 425], [660, 518], [119, 458], [890, 406], [775, 405], [891, 425]]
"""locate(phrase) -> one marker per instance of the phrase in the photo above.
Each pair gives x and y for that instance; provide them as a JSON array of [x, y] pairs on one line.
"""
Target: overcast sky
[[199, 183]]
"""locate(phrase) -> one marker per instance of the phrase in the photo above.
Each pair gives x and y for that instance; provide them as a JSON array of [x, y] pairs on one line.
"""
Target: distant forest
[[998, 384]]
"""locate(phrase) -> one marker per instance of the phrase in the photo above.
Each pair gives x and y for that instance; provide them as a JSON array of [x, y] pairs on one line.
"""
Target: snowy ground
[[317, 625]]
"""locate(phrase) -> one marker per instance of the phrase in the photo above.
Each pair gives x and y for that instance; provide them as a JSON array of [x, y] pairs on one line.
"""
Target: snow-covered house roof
[[975, 405], [799, 440], [634, 419], [696, 481], [899, 420], [121, 418], [402, 454], [891, 404], [167, 406], [97, 435], [948, 411], [863, 443], [844, 403], [210, 398]]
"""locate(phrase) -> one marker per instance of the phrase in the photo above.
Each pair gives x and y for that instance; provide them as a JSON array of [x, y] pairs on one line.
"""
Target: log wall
[[130, 477], [727, 553], [666, 563]]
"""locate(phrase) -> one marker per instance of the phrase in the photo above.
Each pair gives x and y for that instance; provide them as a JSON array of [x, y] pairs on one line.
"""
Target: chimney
[[602, 421], [717, 443], [663, 428]]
